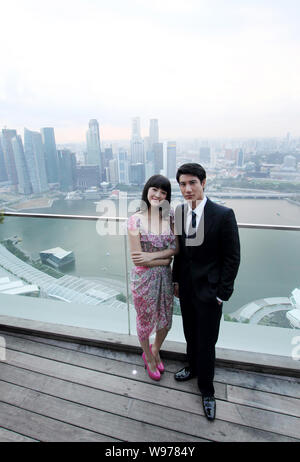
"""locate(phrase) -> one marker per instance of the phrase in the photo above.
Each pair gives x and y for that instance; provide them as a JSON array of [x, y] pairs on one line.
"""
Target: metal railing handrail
[[123, 219], [61, 216]]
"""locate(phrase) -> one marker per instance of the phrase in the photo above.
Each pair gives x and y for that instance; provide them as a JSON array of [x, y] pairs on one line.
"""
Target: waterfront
[[270, 258]]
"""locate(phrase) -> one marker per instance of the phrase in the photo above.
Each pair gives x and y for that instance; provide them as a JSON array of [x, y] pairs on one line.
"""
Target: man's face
[[191, 188]]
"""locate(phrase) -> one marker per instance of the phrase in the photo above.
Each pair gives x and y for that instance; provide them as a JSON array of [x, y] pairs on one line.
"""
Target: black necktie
[[194, 220], [192, 227]]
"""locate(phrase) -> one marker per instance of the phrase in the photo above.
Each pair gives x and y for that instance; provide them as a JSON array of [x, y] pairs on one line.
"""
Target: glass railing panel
[[94, 291], [257, 317], [84, 266]]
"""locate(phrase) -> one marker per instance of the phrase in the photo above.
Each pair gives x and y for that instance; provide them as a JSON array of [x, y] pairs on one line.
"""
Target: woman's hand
[[176, 289], [141, 258]]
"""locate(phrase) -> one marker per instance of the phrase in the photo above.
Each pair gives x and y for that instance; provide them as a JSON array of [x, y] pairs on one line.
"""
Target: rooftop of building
[[56, 388]]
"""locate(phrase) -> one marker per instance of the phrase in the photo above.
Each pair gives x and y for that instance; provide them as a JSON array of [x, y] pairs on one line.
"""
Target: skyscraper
[[123, 167], [35, 160], [113, 171], [136, 143], [136, 128], [240, 158], [3, 172], [87, 176], [94, 156], [51, 159], [67, 169], [153, 132], [9, 158], [24, 184], [154, 151], [137, 173], [107, 156], [137, 151], [158, 158], [171, 159]]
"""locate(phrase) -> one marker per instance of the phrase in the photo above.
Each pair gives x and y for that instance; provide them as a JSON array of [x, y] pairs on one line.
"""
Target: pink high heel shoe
[[159, 366], [153, 375]]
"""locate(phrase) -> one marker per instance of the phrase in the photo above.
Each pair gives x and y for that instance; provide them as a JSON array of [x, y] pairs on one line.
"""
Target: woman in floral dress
[[153, 244]]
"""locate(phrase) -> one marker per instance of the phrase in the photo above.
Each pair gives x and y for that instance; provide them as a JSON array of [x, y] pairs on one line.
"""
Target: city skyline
[[38, 164], [203, 68]]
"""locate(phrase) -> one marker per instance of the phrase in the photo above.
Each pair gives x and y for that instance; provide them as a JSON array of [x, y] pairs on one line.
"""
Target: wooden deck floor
[[59, 391]]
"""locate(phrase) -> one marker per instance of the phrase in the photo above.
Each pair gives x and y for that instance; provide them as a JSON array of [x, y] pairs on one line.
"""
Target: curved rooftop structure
[[67, 288]]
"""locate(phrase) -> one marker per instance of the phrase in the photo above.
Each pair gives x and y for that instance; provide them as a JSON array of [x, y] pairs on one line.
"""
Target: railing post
[[127, 282]]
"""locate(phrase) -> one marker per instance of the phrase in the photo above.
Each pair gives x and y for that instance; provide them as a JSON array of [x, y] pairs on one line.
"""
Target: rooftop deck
[[55, 390]]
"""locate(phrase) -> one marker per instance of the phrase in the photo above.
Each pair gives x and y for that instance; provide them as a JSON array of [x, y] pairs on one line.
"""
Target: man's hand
[[176, 289]]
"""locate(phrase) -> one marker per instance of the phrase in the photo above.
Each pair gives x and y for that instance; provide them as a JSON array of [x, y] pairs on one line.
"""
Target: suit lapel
[[208, 216]]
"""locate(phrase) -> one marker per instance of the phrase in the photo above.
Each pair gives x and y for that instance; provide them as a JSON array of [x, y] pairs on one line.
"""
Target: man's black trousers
[[201, 323]]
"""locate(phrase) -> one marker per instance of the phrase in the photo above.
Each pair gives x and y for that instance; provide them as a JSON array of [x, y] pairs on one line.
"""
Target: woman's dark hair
[[156, 181], [191, 169]]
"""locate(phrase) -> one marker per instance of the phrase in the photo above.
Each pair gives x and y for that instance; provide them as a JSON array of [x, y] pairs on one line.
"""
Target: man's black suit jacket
[[208, 270]]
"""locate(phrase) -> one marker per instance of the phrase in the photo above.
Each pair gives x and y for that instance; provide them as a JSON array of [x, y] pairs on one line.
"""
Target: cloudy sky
[[204, 68]]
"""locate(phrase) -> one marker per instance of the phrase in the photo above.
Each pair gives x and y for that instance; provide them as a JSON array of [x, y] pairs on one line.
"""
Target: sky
[[203, 68]]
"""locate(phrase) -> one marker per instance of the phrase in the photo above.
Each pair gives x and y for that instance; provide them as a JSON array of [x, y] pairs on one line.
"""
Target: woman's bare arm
[[140, 258]]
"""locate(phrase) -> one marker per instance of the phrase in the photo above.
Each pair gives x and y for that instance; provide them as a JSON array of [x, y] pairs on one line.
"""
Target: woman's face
[[155, 196]]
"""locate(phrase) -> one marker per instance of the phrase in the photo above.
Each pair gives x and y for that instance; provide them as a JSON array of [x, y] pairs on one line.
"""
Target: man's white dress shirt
[[198, 211]]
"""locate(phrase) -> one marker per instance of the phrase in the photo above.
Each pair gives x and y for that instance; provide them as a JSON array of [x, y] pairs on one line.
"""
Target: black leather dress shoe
[[184, 374], [209, 406]]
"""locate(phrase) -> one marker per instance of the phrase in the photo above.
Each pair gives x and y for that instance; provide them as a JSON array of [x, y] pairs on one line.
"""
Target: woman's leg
[[149, 357], [159, 339]]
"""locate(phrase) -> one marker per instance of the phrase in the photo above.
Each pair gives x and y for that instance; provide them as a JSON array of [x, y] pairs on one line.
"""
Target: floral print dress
[[152, 288]]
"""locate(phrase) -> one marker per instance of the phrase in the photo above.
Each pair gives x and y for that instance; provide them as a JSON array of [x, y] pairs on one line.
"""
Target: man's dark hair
[[191, 169]]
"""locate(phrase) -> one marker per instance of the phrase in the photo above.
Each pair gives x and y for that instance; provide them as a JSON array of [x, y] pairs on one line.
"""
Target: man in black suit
[[203, 274]]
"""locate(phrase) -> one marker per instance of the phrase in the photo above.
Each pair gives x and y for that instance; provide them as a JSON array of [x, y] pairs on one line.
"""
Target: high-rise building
[[171, 159], [9, 158], [240, 158], [107, 156], [24, 184], [123, 167], [87, 176], [147, 148], [35, 160], [158, 158], [136, 128], [51, 158], [153, 132], [137, 151], [153, 150], [137, 173], [113, 171], [149, 170], [94, 156], [3, 172], [67, 169], [136, 142]]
